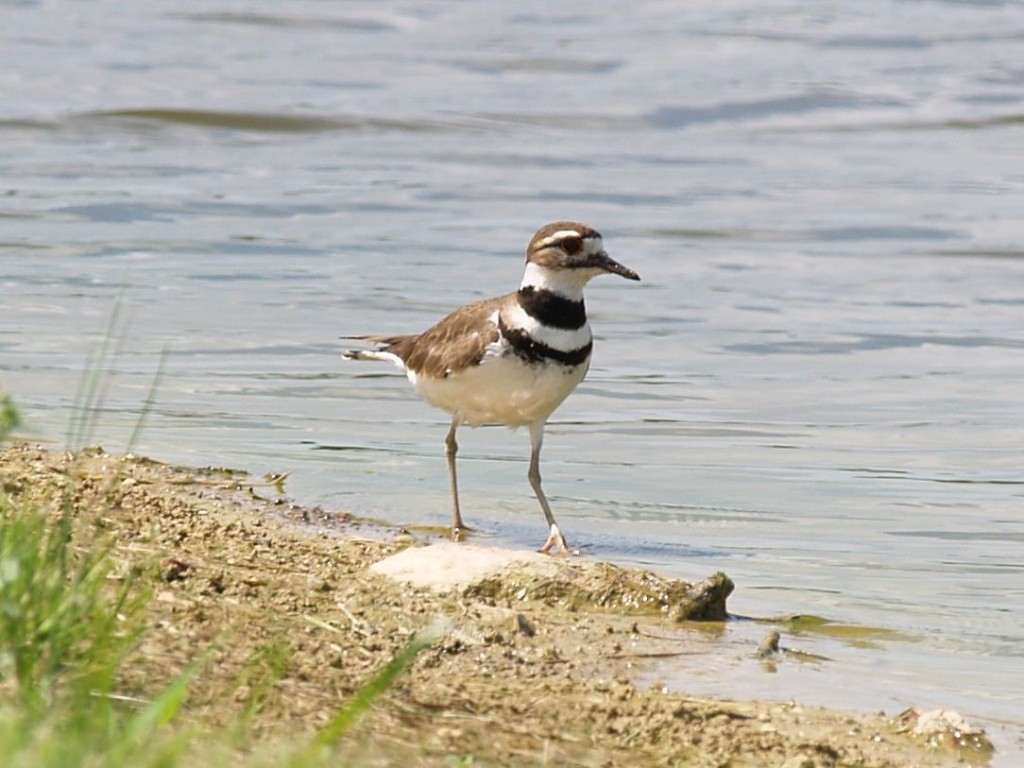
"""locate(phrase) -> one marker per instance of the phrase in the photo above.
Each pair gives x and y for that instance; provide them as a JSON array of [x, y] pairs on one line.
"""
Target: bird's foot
[[460, 532], [556, 542]]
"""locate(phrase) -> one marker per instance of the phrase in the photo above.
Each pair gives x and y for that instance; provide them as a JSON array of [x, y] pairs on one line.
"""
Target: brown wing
[[456, 342]]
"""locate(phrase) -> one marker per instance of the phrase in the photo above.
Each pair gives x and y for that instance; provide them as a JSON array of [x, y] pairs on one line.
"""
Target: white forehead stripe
[[561, 234]]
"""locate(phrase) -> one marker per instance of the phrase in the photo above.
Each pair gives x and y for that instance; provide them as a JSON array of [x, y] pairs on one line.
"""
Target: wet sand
[[534, 657]]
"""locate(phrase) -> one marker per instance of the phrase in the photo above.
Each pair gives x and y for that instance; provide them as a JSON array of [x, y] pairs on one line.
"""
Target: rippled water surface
[[816, 387]]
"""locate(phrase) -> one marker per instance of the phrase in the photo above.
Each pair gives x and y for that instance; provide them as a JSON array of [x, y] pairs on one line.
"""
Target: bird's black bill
[[608, 264]]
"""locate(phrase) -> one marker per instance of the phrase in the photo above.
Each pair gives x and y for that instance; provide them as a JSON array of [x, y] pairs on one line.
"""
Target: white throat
[[568, 283]]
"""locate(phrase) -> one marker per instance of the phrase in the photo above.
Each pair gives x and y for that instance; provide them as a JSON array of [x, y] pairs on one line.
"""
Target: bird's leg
[[450, 449], [555, 540]]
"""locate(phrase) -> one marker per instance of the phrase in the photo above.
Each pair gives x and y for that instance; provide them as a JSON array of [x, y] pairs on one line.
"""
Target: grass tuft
[[66, 626], [62, 627]]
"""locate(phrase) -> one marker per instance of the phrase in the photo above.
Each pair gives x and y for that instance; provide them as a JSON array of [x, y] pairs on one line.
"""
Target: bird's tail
[[365, 354], [381, 353], [373, 354]]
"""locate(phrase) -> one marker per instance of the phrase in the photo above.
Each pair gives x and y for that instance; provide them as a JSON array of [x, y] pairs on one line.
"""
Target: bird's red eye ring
[[572, 245]]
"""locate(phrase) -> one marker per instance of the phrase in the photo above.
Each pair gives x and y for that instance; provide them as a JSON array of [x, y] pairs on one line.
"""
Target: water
[[816, 387]]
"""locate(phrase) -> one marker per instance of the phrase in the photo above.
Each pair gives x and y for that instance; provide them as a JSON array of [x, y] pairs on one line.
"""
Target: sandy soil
[[302, 606]]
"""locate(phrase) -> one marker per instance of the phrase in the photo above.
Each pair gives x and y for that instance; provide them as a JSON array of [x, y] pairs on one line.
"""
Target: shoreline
[[534, 662]]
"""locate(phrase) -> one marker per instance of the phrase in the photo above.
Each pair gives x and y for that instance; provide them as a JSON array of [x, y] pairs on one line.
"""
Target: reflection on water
[[815, 388]]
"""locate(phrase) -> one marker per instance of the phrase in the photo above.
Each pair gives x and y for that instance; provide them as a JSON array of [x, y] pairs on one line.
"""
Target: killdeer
[[513, 359]]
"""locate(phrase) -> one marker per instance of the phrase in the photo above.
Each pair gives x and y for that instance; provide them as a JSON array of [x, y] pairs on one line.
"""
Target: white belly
[[501, 390]]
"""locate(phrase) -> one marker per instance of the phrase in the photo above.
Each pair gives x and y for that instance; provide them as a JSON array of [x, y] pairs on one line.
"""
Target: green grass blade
[[93, 384], [147, 406], [10, 419], [152, 718], [365, 698]]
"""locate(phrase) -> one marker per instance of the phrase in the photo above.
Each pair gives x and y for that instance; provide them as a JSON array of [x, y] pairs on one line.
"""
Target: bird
[[513, 359]]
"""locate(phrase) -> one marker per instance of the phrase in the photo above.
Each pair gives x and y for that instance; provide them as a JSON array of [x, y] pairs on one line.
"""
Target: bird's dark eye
[[572, 245]]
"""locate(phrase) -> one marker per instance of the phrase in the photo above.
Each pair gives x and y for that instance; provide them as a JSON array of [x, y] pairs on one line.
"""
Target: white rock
[[944, 721], [450, 565]]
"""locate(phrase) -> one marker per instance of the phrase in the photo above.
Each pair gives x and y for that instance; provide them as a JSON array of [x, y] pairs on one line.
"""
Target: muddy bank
[[533, 659]]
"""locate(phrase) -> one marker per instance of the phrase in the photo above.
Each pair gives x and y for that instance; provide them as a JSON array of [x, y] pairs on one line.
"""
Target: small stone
[[524, 626], [769, 646], [705, 600]]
